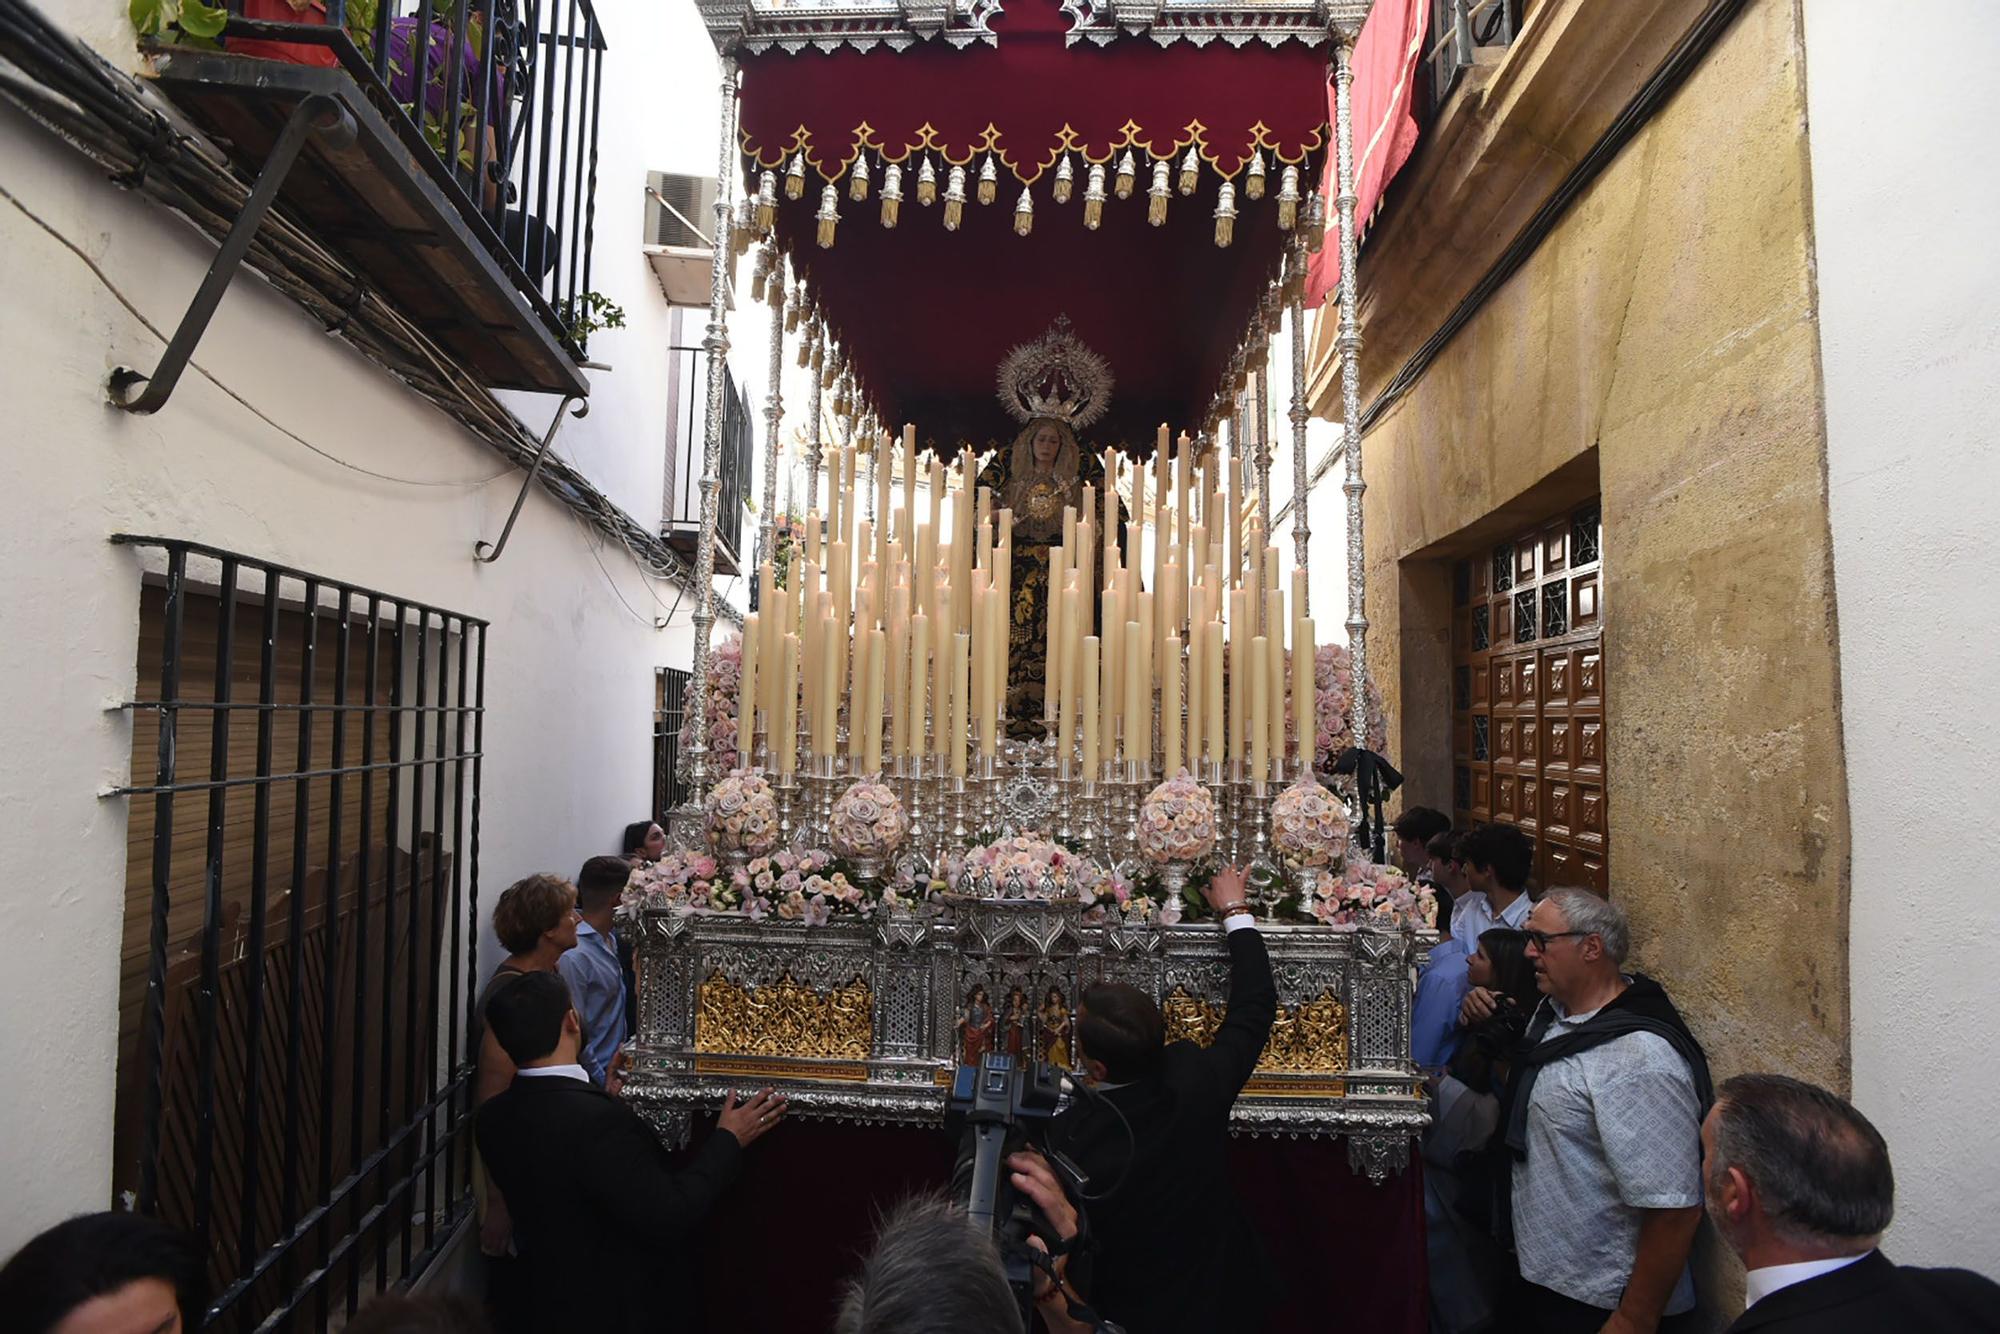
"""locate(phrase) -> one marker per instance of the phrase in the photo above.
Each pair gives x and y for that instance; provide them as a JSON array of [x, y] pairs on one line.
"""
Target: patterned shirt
[[1611, 1131]]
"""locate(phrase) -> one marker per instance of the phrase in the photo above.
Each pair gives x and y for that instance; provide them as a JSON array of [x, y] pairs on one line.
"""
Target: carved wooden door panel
[[1528, 694]]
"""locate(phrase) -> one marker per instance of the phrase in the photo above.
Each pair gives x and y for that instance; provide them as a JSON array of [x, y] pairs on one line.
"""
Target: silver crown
[[1055, 376]]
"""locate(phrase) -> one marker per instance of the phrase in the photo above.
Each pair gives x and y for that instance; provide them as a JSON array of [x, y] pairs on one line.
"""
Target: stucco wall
[[1663, 340], [1903, 205], [570, 661]]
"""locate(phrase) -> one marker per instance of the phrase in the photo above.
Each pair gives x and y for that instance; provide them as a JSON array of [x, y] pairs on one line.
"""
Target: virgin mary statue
[[1054, 385]]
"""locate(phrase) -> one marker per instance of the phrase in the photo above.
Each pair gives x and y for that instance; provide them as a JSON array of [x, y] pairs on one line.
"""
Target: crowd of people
[[1576, 1141]]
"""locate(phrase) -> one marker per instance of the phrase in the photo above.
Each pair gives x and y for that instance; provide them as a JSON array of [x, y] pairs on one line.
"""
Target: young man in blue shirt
[[596, 982]]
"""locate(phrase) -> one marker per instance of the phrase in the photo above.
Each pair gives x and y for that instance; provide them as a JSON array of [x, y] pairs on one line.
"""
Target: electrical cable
[[104, 280]]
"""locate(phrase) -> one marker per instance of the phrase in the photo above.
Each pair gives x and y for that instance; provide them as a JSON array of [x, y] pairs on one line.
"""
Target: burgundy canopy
[[926, 314]]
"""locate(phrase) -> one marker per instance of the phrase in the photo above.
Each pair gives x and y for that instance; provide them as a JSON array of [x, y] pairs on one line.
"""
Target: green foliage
[[176, 20], [588, 313]]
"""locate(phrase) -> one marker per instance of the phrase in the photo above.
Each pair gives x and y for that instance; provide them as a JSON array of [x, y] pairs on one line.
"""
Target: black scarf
[[1643, 1007]]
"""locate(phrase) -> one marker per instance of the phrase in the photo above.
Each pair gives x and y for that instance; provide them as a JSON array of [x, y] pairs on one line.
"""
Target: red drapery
[[1349, 1253], [926, 315], [1386, 58]]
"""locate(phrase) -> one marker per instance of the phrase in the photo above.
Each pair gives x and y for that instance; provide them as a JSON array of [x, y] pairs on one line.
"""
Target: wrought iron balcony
[[467, 193], [1460, 30], [687, 414]]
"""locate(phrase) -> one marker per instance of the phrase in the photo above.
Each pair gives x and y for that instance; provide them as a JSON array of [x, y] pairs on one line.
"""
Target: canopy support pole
[[715, 342], [1349, 345], [774, 412], [813, 451], [1263, 446]]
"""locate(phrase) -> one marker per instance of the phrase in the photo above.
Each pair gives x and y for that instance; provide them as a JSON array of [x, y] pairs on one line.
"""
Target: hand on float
[[1227, 890], [750, 1119], [614, 1076]]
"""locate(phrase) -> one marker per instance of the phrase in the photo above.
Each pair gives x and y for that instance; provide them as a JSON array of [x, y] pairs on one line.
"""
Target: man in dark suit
[[1175, 1250], [1798, 1183], [601, 1220]]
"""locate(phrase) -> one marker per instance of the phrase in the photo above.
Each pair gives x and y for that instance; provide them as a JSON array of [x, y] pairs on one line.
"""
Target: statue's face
[[1047, 443]]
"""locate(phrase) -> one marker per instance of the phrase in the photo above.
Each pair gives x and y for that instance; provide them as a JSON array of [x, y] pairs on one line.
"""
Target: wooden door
[[1528, 694]]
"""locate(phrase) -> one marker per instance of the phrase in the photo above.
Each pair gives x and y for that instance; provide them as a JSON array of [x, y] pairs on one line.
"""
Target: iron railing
[[670, 708], [507, 122], [1458, 29], [294, 1074], [687, 380]]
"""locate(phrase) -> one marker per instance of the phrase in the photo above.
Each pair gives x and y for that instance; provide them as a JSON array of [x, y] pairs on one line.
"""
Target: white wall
[[571, 651], [1326, 512], [1906, 185]]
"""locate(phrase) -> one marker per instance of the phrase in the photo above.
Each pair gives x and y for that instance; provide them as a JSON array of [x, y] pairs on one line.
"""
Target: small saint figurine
[[975, 1024], [1055, 1029], [1016, 1023]]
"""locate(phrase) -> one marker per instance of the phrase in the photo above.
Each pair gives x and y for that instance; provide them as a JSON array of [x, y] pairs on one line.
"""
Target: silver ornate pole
[[817, 447], [694, 721], [1262, 444], [1349, 345], [1301, 470], [774, 409]]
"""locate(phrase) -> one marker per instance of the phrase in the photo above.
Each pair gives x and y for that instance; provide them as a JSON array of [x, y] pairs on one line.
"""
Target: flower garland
[[809, 887], [1364, 894], [1333, 707], [1020, 867], [725, 684]]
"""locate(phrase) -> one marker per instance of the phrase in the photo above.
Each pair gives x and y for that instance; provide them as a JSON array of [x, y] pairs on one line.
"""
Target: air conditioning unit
[[692, 198]]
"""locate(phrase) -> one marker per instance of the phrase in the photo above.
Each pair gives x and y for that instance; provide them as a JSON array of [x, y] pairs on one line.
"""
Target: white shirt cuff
[[1237, 921]]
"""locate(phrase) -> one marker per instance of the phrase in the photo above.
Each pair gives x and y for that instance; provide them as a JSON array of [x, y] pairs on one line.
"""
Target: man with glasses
[[1604, 1123]]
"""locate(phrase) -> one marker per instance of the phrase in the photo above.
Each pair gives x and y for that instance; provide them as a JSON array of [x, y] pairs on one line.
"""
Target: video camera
[[997, 1102]]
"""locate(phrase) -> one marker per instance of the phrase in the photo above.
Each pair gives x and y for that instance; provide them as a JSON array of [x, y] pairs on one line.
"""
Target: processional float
[[908, 843]]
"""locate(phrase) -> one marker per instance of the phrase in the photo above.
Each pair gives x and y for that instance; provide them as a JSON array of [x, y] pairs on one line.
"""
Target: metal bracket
[[534, 470], [314, 115]]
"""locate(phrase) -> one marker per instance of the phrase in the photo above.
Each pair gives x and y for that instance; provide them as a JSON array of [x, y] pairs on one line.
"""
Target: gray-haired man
[[1604, 1120]]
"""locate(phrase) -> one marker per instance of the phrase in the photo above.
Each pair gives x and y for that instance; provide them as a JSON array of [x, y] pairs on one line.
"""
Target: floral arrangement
[[1309, 826], [1020, 867], [868, 823], [1364, 894], [1135, 903], [725, 685], [1333, 705], [808, 887], [1177, 821], [742, 814]]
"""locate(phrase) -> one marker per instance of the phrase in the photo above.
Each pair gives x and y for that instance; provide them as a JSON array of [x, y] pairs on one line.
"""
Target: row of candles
[[907, 622]]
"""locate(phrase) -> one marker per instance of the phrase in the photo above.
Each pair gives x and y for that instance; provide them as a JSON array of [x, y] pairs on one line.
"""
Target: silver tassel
[[1190, 171], [954, 198], [1093, 197], [1065, 179], [1253, 183], [767, 202], [989, 181], [1024, 213], [927, 182], [1225, 214], [1156, 195], [857, 178], [795, 177], [892, 193], [828, 216], [1288, 199], [1128, 175], [1315, 221]]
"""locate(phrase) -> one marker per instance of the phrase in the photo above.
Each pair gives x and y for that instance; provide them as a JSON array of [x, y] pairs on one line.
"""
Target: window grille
[[670, 694], [294, 1076]]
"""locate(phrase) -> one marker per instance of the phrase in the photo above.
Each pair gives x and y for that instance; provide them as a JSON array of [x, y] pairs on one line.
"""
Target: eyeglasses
[[1540, 939]]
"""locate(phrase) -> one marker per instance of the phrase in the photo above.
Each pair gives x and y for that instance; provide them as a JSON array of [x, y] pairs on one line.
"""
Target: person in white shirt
[[1799, 1185], [1496, 860]]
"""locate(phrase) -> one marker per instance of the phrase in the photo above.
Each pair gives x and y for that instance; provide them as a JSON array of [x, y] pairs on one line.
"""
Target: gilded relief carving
[[784, 1018], [1307, 1039]]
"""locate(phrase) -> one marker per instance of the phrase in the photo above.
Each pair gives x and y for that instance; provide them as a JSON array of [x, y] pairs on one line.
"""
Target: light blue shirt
[[1472, 916], [1442, 985], [597, 990]]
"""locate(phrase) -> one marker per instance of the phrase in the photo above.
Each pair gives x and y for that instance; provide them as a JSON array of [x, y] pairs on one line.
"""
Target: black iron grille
[[294, 1079]]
